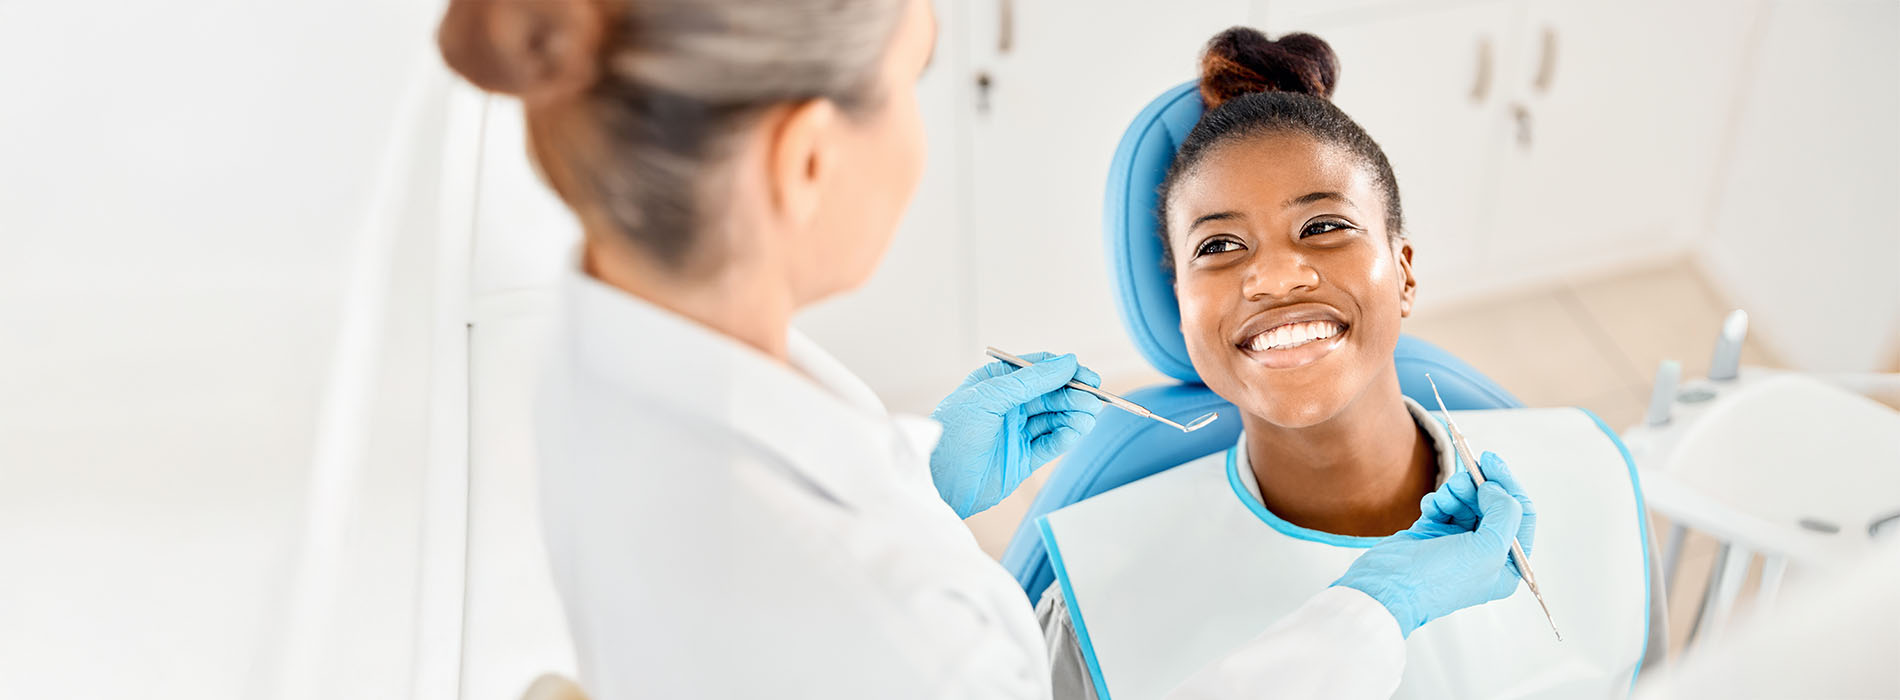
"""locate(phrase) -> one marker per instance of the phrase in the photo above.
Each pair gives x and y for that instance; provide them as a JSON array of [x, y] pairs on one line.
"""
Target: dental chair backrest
[[1123, 448]]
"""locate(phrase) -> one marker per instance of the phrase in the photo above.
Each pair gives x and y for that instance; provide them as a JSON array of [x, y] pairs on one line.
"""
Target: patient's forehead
[[1258, 174]]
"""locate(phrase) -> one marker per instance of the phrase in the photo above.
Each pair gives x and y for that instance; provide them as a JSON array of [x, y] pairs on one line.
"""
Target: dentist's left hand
[[1003, 422]]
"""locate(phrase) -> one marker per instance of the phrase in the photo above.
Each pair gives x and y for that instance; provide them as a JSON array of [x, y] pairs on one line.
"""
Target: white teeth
[[1294, 335]]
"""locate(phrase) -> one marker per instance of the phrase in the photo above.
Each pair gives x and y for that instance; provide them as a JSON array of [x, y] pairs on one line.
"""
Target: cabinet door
[[523, 237], [1063, 81], [1426, 85], [1620, 108], [512, 629]]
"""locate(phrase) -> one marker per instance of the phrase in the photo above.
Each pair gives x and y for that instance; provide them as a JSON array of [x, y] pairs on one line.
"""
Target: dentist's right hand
[[1456, 555], [1003, 423]]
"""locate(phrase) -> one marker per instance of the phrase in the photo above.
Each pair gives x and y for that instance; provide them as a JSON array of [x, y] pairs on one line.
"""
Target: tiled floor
[[1593, 343]]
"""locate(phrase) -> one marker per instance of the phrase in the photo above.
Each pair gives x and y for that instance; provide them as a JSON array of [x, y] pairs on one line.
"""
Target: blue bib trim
[[1075, 611]]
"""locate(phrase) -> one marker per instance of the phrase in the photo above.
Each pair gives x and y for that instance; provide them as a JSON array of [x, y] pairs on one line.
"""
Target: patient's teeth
[[1294, 335]]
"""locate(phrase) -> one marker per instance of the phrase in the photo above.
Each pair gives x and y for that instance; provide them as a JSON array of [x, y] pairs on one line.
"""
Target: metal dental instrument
[[1463, 450], [1111, 399]]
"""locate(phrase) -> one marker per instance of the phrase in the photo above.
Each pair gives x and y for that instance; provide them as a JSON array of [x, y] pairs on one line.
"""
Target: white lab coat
[[721, 525]]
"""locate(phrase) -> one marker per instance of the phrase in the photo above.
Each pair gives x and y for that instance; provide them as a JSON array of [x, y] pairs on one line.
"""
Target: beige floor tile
[[1533, 345], [1660, 313]]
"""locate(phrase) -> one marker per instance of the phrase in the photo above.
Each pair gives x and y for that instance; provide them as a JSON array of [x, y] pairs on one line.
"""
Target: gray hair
[[680, 79]]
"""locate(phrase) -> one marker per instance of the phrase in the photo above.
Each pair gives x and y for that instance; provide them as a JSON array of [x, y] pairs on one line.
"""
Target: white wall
[[181, 185], [1805, 233]]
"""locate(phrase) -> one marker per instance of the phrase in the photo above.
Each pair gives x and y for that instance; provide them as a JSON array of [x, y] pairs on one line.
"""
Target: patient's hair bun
[[1242, 60]]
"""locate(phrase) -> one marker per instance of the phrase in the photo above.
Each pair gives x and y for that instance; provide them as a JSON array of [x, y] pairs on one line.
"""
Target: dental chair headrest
[[1143, 288]]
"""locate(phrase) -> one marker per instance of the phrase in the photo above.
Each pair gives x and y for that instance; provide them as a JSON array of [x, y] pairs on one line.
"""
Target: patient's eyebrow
[[1216, 216], [1312, 197]]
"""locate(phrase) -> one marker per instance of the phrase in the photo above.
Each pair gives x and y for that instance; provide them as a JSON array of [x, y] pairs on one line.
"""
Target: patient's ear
[[1408, 289]]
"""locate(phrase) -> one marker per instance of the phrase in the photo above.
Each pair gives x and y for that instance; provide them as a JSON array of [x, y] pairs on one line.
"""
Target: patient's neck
[[1361, 473]]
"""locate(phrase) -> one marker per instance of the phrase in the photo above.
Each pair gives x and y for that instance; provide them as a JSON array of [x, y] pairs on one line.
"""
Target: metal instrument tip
[[1547, 617]]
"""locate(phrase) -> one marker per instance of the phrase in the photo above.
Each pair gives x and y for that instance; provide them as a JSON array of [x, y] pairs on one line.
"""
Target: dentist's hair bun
[[1242, 60]]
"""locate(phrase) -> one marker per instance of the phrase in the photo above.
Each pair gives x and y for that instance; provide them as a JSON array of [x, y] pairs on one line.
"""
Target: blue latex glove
[[1458, 553], [1004, 422]]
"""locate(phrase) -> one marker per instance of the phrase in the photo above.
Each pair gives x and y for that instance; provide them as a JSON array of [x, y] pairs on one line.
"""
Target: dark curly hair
[[1254, 86]]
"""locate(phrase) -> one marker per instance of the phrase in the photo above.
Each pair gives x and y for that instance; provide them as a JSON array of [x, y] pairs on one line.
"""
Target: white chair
[[1796, 468]]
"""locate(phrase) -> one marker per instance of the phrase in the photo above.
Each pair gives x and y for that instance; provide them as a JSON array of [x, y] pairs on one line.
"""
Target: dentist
[[729, 512]]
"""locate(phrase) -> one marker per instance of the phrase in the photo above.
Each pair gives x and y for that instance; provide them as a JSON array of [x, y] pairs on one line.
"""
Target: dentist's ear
[[538, 50], [801, 159], [1408, 289]]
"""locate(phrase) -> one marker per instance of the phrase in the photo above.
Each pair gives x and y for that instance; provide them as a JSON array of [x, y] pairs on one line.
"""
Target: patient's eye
[[1328, 226], [1217, 245]]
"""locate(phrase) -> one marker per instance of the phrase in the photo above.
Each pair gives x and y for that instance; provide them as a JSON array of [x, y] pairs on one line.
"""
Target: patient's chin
[[1294, 412]]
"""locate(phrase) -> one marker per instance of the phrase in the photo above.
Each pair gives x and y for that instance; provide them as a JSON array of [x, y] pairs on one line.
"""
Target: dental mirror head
[[1199, 423]]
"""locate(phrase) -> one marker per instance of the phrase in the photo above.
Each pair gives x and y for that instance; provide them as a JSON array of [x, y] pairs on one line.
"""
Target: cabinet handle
[[1546, 62], [1006, 26], [1481, 81], [1521, 115]]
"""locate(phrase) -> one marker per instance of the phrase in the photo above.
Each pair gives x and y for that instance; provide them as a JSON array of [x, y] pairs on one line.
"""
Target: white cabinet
[[521, 237], [1435, 114], [1619, 109], [513, 629]]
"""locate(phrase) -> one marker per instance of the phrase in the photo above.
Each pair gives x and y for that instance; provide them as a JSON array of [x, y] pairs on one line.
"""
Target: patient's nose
[[1278, 274]]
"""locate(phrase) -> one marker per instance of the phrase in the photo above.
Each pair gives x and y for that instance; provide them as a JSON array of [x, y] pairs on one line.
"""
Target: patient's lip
[[1282, 315]]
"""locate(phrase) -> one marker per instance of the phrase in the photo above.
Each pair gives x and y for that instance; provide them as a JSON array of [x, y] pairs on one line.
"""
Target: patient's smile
[[1293, 336], [1306, 348]]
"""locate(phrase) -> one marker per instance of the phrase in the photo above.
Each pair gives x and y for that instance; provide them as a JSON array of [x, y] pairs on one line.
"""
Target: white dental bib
[[1170, 573]]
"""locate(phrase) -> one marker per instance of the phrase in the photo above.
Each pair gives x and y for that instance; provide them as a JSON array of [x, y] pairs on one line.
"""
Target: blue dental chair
[[1124, 448]]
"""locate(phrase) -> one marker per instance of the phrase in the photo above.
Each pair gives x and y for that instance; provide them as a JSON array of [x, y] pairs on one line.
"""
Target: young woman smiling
[[1285, 235]]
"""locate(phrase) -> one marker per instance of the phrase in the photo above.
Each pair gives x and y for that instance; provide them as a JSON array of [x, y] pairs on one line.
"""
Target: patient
[[1285, 236]]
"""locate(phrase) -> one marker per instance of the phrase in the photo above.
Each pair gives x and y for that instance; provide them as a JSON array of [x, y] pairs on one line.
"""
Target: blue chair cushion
[[1144, 290]]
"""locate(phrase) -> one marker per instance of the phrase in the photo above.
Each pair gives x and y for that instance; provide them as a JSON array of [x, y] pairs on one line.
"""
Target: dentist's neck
[[1360, 473], [743, 298]]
